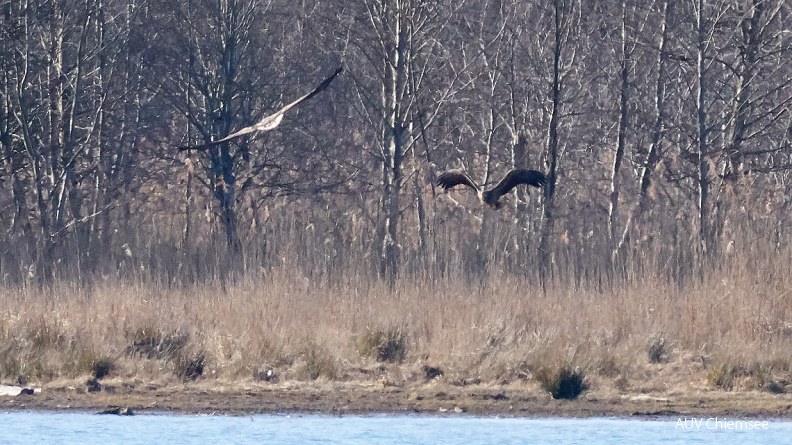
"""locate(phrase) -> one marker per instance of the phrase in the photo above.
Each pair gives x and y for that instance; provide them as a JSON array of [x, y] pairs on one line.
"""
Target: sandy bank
[[365, 398]]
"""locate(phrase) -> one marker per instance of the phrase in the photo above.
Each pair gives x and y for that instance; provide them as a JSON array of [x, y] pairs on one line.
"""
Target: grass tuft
[[190, 366], [315, 361], [564, 382], [386, 345], [658, 351], [722, 375], [102, 367], [149, 342]]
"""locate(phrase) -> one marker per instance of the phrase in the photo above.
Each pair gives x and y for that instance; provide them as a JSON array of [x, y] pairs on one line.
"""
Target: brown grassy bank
[[729, 331]]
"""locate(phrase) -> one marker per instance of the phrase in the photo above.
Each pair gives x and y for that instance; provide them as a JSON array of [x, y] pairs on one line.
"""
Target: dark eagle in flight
[[491, 197], [270, 122]]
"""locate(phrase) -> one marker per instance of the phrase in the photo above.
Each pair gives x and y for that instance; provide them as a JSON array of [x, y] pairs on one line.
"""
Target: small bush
[[314, 362], [658, 351], [145, 342], [10, 365], [721, 375], [102, 367], [608, 365], [432, 372], [149, 342], [93, 385], [78, 361], [190, 366], [385, 345], [564, 382], [774, 388], [44, 336]]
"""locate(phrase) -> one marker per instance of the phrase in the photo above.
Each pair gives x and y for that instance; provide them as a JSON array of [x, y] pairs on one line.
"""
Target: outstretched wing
[[272, 121], [517, 177], [241, 132], [452, 178], [275, 117]]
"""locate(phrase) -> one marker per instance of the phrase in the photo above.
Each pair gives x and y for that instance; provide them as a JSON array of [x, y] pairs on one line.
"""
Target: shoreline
[[355, 398]]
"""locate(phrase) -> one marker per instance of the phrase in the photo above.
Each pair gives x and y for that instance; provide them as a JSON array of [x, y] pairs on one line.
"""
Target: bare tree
[[398, 43], [61, 62], [566, 17], [653, 155], [752, 119], [626, 62], [221, 72]]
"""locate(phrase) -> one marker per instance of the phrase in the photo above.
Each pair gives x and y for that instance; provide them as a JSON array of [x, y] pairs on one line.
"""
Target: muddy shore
[[334, 398]]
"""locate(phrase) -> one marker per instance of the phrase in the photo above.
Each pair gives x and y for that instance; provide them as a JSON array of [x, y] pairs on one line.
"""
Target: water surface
[[66, 428]]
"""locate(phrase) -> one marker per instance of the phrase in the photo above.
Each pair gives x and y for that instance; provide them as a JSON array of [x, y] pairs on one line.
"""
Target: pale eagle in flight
[[270, 122], [491, 197]]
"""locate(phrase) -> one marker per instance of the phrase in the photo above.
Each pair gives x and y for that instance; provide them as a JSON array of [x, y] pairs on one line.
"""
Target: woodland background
[[664, 128]]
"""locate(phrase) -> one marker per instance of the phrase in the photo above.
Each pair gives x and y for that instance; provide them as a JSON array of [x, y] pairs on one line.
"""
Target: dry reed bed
[[732, 329]]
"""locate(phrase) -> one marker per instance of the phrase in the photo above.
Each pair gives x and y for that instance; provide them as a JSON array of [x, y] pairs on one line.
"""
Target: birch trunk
[[702, 155], [658, 129], [613, 208]]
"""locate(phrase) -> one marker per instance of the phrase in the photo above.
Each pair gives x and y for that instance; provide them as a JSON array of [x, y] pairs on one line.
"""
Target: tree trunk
[[658, 129], [552, 153], [395, 88], [613, 208], [392, 167], [391, 188], [701, 118]]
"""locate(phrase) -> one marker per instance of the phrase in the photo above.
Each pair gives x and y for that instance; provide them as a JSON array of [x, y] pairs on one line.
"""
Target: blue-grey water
[[82, 428]]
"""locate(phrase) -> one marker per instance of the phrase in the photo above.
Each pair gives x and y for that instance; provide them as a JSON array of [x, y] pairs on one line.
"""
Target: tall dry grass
[[302, 300], [730, 327]]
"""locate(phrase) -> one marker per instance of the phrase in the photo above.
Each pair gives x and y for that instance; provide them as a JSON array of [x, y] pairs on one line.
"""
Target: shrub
[[774, 388], [314, 362], [721, 375], [189, 366], [608, 365], [150, 343], [386, 345], [432, 372], [658, 351], [564, 382], [93, 385], [102, 367], [145, 342]]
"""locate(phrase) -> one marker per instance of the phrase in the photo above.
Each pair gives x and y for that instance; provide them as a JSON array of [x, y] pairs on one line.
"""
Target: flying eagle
[[490, 197], [270, 122]]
